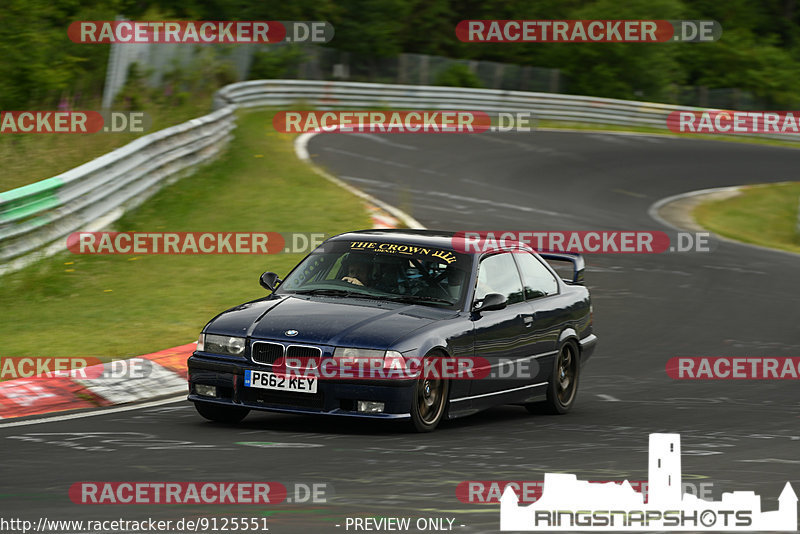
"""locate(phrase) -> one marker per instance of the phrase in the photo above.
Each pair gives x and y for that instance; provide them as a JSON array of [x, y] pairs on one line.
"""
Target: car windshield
[[386, 271]]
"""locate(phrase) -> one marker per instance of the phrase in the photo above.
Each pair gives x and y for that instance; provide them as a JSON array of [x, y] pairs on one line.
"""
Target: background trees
[[759, 51]]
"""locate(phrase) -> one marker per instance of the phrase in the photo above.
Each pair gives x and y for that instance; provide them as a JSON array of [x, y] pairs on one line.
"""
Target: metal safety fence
[[35, 219]]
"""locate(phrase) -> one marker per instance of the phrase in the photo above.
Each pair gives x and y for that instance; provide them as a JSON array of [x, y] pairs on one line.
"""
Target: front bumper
[[333, 397]]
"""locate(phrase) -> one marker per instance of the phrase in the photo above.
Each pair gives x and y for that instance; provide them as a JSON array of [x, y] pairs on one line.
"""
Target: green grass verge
[[120, 306], [29, 158], [762, 215], [559, 125]]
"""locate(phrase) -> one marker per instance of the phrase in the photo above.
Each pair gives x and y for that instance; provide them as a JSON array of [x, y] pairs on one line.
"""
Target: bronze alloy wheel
[[563, 386], [428, 404], [567, 375]]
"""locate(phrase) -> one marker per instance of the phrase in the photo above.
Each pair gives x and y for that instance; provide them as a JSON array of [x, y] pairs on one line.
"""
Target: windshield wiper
[[330, 292], [416, 298]]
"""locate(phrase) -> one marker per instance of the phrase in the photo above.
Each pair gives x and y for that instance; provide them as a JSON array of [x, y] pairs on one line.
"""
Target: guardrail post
[[555, 81]]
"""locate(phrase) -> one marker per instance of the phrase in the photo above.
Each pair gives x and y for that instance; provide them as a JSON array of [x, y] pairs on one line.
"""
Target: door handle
[[528, 320]]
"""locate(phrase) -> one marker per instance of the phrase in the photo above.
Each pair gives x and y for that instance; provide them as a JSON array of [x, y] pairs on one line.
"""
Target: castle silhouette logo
[[571, 504]]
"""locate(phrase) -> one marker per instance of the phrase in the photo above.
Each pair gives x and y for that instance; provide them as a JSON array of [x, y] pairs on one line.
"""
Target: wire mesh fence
[[162, 64]]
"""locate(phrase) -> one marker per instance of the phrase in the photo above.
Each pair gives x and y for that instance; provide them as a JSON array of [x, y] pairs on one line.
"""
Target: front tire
[[429, 400], [563, 387], [221, 414]]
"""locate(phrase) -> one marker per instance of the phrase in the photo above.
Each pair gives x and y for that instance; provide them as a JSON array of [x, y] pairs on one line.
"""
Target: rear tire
[[563, 387], [221, 414], [429, 401]]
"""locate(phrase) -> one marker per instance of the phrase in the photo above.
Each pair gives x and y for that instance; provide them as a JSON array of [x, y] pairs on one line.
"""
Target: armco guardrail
[[367, 95], [35, 219], [547, 106]]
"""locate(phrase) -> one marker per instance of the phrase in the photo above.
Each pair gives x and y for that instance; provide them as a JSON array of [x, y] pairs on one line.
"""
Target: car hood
[[327, 321]]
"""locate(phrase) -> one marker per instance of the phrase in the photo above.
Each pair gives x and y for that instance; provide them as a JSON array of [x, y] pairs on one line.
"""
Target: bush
[[457, 75], [276, 62]]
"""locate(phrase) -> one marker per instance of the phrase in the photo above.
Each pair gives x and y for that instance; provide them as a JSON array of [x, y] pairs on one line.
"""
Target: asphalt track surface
[[733, 301]]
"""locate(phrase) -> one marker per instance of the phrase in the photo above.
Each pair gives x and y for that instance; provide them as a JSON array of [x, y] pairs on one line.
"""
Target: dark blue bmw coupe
[[400, 324]]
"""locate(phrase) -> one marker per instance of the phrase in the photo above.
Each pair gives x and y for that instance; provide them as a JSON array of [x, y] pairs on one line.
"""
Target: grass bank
[[762, 215], [28, 158], [121, 305]]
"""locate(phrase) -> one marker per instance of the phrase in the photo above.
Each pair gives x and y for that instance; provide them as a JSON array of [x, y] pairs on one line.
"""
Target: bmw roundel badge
[[291, 333]]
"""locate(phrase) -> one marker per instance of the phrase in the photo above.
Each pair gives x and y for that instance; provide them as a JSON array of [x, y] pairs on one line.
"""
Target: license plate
[[267, 380]]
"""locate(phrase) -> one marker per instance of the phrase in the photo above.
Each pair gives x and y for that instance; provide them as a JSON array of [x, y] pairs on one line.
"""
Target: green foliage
[[134, 93], [457, 75], [276, 62], [759, 52], [371, 27], [640, 71], [207, 69], [40, 65]]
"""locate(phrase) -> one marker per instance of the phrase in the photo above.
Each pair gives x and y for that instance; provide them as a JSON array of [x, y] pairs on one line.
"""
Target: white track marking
[[101, 411], [301, 150], [383, 140]]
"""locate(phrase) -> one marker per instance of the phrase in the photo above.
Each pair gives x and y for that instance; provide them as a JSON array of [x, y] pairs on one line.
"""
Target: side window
[[498, 274], [537, 279]]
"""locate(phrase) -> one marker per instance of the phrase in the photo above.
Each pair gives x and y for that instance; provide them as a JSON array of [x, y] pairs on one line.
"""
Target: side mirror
[[269, 280], [492, 301]]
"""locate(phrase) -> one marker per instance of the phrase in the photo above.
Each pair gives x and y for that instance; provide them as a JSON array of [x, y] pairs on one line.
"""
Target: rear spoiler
[[578, 264]]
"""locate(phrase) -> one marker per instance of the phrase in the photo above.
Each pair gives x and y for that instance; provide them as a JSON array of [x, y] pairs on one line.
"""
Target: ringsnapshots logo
[[569, 504]]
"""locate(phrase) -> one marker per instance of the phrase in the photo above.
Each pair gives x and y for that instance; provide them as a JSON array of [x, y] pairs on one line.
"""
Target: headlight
[[221, 344], [391, 359], [347, 353]]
